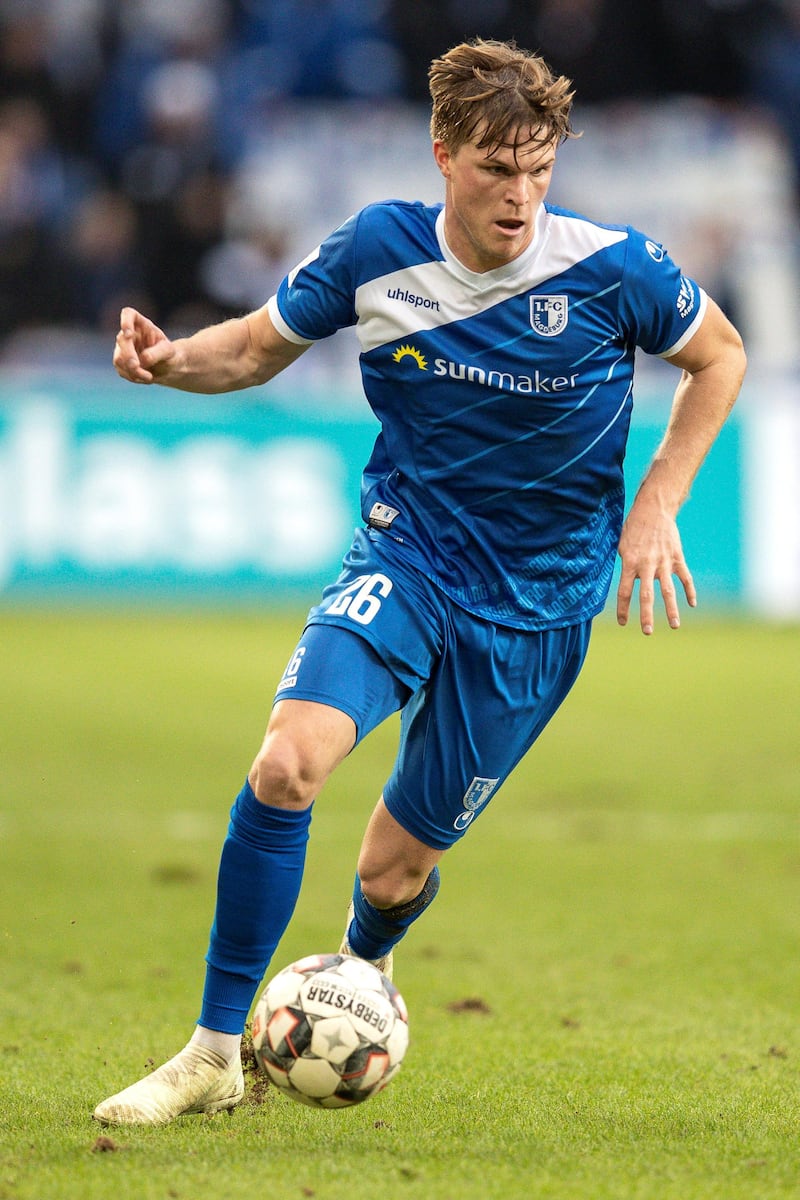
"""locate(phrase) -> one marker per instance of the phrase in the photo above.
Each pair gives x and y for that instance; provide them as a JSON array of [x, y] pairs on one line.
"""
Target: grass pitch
[[603, 1000]]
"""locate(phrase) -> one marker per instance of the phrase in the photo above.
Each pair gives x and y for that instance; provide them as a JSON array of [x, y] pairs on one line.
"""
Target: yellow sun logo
[[410, 352]]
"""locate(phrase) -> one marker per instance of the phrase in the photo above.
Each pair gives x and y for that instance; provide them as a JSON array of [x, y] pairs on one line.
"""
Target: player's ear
[[442, 158]]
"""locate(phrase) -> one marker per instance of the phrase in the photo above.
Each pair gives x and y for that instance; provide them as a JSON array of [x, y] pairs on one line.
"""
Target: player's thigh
[[370, 644], [340, 670], [492, 694]]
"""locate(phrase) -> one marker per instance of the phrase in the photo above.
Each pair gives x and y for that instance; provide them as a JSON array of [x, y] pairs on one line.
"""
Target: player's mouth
[[510, 225]]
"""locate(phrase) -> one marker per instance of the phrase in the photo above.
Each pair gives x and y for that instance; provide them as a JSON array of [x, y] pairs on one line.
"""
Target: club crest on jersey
[[549, 314]]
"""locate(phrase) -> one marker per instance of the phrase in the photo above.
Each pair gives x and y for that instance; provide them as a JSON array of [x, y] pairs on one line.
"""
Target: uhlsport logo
[[549, 314], [412, 298], [477, 794], [407, 351]]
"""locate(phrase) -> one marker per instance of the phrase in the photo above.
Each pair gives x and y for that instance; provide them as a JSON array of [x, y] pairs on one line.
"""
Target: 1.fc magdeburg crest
[[549, 314]]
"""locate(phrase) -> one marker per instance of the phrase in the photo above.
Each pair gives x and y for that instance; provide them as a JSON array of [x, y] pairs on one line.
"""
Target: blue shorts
[[474, 696]]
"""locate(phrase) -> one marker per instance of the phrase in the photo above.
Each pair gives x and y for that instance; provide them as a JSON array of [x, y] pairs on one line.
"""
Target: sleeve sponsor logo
[[685, 301]]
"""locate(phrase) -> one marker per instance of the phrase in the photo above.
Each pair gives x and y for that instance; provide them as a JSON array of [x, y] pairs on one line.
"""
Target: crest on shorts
[[478, 793], [549, 314]]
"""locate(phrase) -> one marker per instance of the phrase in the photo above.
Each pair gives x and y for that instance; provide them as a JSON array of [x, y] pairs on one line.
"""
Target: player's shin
[[373, 932], [260, 873]]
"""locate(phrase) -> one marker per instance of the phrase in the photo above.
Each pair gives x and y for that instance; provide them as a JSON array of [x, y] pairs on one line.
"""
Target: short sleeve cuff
[[689, 333], [283, 329]]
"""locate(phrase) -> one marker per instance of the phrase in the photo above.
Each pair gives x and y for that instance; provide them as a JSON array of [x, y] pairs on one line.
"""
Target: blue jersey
[[504, 397]]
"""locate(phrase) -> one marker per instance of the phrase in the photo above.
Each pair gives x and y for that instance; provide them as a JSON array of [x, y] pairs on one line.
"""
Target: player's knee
[[281, 776]]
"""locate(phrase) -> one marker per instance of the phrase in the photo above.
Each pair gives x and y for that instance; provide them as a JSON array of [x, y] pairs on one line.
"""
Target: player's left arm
[[712, 366]]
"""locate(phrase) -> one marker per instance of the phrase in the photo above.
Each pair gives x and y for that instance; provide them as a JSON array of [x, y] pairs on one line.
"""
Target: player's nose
[[517, 191]]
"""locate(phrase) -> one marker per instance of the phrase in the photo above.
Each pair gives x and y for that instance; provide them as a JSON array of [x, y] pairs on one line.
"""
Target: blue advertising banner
[[108, 491], [712, 519], [131, 493]]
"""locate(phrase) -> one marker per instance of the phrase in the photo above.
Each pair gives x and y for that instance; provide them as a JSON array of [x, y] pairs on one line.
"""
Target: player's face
[[492, 199]]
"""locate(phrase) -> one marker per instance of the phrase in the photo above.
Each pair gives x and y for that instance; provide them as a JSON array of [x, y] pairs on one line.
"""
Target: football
[[330, 1030]]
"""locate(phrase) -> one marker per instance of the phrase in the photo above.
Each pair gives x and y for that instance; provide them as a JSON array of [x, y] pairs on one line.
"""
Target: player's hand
[[651, 552], [142, 351]]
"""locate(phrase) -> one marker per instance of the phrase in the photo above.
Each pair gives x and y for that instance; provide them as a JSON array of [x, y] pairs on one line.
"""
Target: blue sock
[[260, 872], [374, 931]]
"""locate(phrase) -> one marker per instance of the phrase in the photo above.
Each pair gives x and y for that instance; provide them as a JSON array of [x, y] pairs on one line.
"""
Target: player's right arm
[[235, 354]]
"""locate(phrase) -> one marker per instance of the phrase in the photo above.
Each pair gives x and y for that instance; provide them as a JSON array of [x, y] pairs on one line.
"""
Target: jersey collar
[[482, 280]]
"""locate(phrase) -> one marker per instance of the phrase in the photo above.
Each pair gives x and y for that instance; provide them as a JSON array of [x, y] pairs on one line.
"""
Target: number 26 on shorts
[[361, 599]]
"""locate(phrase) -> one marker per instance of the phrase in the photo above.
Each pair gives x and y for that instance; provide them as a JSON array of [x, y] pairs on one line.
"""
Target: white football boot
[[197, 1080], [385, 965]]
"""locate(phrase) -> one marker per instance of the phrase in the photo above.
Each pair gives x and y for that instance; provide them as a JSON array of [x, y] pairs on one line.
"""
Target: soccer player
[[498, 336]]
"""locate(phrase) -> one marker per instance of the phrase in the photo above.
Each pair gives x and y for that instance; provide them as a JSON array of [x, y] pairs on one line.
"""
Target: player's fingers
[[624, 596], [153, 359], [670, 597], [128, 319], [646, 602], [126, 359], [669, 591], [685, 576], [126, 337]]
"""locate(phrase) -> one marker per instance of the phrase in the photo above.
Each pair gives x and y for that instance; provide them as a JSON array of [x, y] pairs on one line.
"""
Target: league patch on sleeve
[[686, 298]]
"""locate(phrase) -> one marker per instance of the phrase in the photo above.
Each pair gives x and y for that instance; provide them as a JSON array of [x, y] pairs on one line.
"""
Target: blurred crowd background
[[156, 153]]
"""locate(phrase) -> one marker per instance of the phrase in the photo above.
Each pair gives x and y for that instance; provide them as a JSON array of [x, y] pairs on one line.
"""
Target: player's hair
[[512, 95]]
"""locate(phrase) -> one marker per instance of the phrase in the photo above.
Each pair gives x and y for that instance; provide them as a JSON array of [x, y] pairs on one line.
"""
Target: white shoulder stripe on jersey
[[573, 239], [692, 329], [308, 259], [428, 295]]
